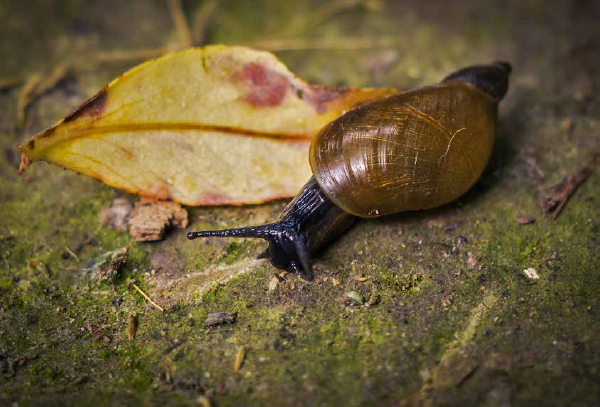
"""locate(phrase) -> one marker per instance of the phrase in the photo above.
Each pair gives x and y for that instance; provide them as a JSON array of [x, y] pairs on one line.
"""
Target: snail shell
[[410, 151]]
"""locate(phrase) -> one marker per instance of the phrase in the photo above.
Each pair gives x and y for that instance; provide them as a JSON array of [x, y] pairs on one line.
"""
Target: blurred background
[[457, 322]]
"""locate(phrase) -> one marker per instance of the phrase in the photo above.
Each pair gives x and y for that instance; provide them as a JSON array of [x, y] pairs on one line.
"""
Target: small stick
[[24, 98], [71, 253], [10, 83], [53, 78], [201, 19], [294, 44], [181, 25], [319, 15], [35, 86], [116, 56], [557, 196], [146, 297]]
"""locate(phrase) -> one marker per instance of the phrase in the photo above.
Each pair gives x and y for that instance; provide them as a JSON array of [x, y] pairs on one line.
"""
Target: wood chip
[[373, 300], [239, 359], [335, 281], [555, 198], [524, 220], [150, 219], [273, 283], [217, 318], [131, 327]]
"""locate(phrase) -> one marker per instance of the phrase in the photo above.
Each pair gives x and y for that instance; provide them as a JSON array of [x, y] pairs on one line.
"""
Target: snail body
[[410, 151]]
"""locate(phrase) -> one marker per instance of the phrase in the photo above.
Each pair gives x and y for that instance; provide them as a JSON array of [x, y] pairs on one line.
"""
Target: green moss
[[231, 253]]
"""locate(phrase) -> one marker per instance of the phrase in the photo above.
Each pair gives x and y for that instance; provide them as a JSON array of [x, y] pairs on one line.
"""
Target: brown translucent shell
[[414, 150]]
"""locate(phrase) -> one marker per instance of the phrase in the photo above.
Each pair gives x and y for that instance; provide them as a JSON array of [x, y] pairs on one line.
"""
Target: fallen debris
[[9, 83], [139, 290], [131, 327], [116, 215], [108, 264], [201, 21], [524, 220], [566, 124], [357, 274], [555, 198], [273, 283], [24, 97], [181, 26], [355, 297], [472, 262], [531, 274], [35, 86], [239, 359], [150, 219], [217, 318], [70, 252], [373, 299]]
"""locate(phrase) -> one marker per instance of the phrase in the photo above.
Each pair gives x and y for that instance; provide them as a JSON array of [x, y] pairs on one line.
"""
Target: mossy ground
[[457, 322]]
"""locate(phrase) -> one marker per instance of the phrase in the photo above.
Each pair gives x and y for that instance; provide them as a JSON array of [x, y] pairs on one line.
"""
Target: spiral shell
[[410, 151]]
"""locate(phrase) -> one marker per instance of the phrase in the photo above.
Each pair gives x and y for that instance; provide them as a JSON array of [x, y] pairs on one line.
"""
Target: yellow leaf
[[204, 126]]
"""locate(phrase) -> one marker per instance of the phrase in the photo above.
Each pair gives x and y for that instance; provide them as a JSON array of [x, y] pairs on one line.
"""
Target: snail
[[409, 151]]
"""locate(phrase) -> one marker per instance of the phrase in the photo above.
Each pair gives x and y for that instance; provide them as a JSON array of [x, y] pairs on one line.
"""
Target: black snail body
[[410, 151]]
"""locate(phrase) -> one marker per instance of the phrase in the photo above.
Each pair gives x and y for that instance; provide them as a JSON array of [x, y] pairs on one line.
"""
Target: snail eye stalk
[[252, 231], [287, 249]]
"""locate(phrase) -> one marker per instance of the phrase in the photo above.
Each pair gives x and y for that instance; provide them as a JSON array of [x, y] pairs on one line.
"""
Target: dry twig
[[201, 20], [555, 197], [294, 44], [138, 289], [182, 29]]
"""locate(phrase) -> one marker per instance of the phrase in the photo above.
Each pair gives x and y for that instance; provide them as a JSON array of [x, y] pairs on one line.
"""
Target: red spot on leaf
[[319, 96], [261, 86]]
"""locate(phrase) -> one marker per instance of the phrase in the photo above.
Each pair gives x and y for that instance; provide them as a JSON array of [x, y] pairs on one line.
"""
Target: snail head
[[287, 249]]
